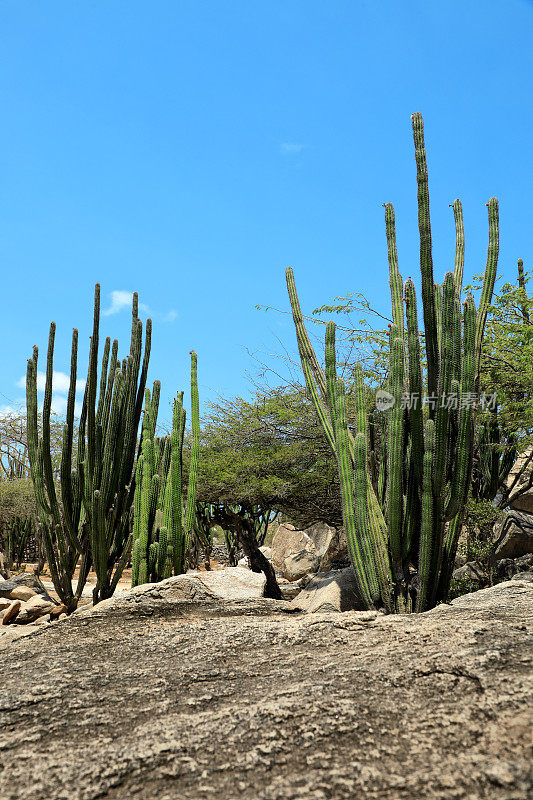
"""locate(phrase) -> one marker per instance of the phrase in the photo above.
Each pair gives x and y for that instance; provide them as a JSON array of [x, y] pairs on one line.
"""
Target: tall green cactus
[[90, 522], [403, 516], [162, 526]]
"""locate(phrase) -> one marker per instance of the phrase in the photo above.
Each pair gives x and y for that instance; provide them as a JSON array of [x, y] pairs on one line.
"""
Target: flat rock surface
[[201, 698]]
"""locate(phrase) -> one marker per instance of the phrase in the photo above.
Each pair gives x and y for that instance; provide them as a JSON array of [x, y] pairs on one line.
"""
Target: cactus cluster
[[85, 520], [403, 502], [492, 460], [162, 526]]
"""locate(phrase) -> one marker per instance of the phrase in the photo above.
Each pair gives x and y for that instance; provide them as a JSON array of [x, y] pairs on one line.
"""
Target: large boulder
[[335, 590], [232, 583], [36, 607], [525, 501], [201, 589], [10, 614], [513, 537], [433, 706], [298, 565], [26, 579], [508, 568], [472, 575], [296, 553]]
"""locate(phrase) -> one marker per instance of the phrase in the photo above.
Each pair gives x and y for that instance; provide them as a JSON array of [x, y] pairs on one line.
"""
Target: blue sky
[[192, 150]]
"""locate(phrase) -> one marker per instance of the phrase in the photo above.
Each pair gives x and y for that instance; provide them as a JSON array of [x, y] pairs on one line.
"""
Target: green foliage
[[479, 520], [162, 527], [507, 357], [395, 511], [86, 517], [269, 454], [461, 586]]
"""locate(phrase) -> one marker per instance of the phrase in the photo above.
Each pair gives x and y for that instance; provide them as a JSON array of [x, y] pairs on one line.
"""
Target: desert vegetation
[[413, 452]]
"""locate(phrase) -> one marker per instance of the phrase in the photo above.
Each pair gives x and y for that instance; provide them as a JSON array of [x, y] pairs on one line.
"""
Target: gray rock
[[507, 568], [472, 571], [525, 501], [11, 613], [232, 583], [523, 576], [24, 579], [35, 607], [287, 541], [289, 590], [23, 593], [513, 537], [296, 553], [329, 591], [6, 587], [298, 565], [183, 704]]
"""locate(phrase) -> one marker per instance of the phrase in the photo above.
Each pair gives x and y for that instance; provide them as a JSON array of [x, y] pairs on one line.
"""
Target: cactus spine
[[162, 526], [403, 516]]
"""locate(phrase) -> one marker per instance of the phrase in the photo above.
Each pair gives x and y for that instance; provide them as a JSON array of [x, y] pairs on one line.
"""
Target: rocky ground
[[163, 694]]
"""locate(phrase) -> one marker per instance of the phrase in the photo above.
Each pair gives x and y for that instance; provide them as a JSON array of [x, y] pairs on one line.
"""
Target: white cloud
[[291, 147], [119, 300], [60, 382]]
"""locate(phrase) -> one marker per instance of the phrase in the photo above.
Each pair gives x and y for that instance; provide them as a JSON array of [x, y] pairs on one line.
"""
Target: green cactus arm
[[195, 449], [46, 450], [109, 446], [459, 247], [91, 386], [488, 280], [426, 256], [360, 552], [143, 572], [377, 529], [425, 558], [314, 377], [415, 382], [522, 287], [463, 465], [304, 343], [156, 393], [173, 513], [444, 386], [103, 381], [31, 410], [331, 373], [112, 371], [162, 553], [395, 279], [395, 461], [412, 512], [152, 561], [438, 312], [144, 370]]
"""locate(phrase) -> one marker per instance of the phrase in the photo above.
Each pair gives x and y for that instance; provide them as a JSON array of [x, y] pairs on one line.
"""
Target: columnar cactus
[[91, 518], [403, 516], [162, 526]]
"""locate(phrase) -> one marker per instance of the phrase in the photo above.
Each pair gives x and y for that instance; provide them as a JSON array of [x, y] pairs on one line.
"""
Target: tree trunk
[[243, 527]]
